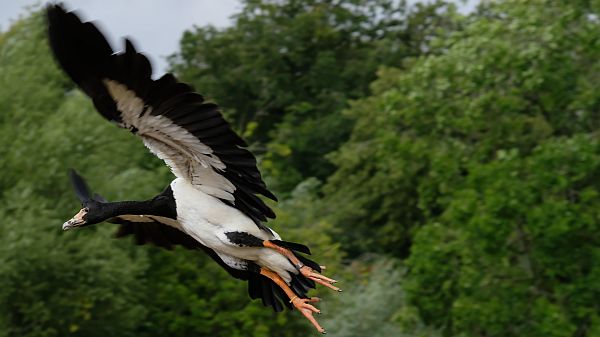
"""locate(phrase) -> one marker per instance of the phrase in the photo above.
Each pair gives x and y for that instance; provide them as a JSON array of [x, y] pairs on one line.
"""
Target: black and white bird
[[213, 204]]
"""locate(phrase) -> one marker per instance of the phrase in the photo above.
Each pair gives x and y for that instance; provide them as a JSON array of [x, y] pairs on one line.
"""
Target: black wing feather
[[166, 237], [87, 58], [85, 55], [80, 186]]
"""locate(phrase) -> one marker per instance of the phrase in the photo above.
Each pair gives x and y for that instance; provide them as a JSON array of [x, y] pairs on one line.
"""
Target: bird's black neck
[[146, 207], [161, 205]]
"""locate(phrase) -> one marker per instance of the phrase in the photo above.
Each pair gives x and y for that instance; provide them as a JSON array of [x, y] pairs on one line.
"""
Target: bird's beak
[[76, 221]]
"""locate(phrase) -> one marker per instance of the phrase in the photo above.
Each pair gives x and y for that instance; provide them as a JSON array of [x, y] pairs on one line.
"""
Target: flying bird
[[213, 204]]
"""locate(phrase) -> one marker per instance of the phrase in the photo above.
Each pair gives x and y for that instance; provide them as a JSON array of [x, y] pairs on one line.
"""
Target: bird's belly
[[207, 218], [214, 237]]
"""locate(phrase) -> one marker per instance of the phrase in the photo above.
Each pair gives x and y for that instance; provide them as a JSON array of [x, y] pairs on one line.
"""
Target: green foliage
[[479, 165], [192, 295], [383, 310], [469, 167], [81, 284], [57, 286], [285, 70], [85, 283], [523, 232]]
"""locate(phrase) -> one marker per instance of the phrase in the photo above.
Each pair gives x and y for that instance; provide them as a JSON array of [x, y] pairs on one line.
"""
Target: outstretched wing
[[160, 231], [174, 122], [163, 232]]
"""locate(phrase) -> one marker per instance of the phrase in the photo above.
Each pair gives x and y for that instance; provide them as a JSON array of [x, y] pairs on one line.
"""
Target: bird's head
[[92, 210], [90, 213]]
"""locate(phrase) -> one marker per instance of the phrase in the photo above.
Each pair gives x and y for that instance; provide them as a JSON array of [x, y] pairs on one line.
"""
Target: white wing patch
[[185, 154], [201, 177]]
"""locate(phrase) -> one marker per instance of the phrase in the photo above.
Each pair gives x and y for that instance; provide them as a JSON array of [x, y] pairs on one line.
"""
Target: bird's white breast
[[206, 218]]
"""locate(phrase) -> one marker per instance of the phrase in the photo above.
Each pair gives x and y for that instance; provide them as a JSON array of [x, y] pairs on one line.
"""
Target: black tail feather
[[312, 264], [301, 284], [272, 295], [282, 296], [277, 306], [297, 287], [306, 283], [254, 288], [293, 246], [268, 295]]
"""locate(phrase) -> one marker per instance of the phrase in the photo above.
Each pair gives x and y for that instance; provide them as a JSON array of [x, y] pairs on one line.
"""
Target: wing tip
[[79, 185], [53, 8]]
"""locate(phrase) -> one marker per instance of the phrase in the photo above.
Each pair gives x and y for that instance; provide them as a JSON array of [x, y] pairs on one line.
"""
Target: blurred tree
[[516, 251], [80, 285], [286, 68], [475, 160], [480, 165], [84, 283], [375, 283], [495, 88]]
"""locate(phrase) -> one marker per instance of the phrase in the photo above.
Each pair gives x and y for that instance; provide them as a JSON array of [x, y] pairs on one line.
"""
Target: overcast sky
[[154, 25]]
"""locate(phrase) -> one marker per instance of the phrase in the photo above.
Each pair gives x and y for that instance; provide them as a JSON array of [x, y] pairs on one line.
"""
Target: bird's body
[[214, 204], [208, 220]]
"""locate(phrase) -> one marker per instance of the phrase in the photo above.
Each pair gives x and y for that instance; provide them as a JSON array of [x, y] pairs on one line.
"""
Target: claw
[[326, 284], [307, 310], [320, 279], [302, 304]]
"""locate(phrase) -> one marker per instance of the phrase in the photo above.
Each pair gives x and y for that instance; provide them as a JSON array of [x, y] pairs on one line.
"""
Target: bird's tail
[[260, 286], [299, 283]]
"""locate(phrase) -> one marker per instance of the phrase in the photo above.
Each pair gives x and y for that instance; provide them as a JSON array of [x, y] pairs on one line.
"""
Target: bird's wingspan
[[174, 122], [160, 231], [163, 232]]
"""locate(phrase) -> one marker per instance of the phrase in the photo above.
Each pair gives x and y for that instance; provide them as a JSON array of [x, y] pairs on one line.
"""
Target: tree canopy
[[286, 69], [478, 167], [443, 165]]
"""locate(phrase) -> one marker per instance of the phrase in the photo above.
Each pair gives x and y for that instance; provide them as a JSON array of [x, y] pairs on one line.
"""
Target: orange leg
[[302, 304], [304, 270]]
